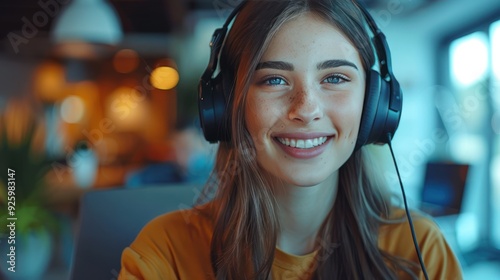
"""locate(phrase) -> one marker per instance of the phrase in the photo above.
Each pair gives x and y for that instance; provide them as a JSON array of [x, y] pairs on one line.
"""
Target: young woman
[[296, 199]]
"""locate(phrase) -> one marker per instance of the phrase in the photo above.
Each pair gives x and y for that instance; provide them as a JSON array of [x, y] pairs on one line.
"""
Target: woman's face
[[305, 102]]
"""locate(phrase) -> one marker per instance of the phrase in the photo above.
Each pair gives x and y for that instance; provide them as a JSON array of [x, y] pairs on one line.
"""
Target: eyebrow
[[333, 63], [281, 65]]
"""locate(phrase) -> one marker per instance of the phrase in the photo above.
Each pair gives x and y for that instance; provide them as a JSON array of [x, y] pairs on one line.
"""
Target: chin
[[309, 179], [305, 184]]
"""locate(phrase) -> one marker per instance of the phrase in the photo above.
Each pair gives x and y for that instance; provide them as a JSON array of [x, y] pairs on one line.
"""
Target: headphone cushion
[[212, 109], [370, 107]]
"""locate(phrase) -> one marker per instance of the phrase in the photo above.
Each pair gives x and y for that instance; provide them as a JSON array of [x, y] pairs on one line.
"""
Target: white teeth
[[302, 143], [309, 143]]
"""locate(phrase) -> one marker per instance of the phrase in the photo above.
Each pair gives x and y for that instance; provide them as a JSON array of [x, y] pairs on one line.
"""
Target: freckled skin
[[306, 101]]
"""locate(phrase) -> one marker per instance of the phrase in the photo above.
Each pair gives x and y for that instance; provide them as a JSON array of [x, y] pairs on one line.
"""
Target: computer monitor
[[443, 188]]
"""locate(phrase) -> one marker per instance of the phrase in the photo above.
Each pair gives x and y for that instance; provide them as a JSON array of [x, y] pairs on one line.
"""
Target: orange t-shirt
[[176, 245]]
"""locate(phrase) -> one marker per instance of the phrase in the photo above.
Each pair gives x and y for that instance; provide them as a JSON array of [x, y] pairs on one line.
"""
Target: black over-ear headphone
[[381, 109]]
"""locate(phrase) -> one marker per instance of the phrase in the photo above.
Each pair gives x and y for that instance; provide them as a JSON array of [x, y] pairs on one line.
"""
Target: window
[[495, 124], [471, 116]]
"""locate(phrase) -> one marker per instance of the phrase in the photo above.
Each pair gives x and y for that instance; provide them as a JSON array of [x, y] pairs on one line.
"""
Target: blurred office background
[[99, 94]]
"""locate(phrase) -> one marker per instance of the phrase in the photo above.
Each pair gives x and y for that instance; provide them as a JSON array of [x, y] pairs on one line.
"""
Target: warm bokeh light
[[164, 77], [127, 108], [49, 81], [85, 89], [469, 59], [72, 109], [125, 61]]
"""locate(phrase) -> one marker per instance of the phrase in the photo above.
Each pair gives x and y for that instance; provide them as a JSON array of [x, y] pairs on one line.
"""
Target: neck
[[301, 212]]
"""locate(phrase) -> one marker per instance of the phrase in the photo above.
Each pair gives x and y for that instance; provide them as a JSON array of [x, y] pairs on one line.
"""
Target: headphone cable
[[410, 222]]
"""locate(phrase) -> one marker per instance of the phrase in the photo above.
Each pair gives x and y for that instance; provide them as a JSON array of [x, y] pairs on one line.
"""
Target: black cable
[[410, 222]]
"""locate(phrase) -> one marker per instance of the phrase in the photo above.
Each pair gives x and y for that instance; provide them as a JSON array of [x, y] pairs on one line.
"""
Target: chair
[[111, 219]]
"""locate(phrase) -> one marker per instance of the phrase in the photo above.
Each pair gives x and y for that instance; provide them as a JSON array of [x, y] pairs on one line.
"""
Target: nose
[[305, 106]]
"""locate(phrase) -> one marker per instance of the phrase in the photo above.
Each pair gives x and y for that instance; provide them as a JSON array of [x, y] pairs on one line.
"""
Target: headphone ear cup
[[212, 105], [212, 108], [221, 111], [370, 108]]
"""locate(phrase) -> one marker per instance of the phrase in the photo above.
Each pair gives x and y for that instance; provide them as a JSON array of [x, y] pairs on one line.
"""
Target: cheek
[[347, 117], [357, 104], [251, 115], [255, 116], [262, 115]]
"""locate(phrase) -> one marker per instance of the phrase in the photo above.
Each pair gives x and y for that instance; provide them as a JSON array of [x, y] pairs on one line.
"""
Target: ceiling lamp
[[83, 23]]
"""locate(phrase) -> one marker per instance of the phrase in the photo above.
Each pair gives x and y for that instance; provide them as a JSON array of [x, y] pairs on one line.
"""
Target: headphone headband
[[216, 43]]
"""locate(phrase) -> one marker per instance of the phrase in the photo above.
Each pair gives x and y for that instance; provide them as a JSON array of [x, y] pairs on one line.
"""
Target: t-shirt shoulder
[[168, 244], [438, 257], [178, 228]]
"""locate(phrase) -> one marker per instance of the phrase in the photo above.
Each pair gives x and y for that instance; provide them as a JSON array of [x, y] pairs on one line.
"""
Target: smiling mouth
[[302, 143]]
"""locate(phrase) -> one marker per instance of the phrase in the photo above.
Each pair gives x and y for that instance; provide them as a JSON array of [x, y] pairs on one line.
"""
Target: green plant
[[26, 169]]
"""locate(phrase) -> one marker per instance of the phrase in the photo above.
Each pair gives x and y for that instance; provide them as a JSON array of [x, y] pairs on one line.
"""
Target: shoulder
[[175, 225], [425, 227], [396, 239], [175, 243]]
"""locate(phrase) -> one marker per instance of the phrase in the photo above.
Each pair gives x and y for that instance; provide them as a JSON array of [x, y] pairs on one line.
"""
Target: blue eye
[[274, 81], [336, 79]]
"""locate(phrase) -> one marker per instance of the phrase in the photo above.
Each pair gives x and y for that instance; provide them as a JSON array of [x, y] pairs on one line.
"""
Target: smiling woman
[[293, 108]]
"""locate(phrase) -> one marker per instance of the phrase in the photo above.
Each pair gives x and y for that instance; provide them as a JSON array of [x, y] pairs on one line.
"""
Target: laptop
[[111, 219], [443, 188]]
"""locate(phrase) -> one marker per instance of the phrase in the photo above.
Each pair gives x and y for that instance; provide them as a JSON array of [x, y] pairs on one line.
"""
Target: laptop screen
[[443, 188]]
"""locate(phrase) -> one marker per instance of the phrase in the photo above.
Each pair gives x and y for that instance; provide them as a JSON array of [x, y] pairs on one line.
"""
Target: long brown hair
[[246, 224]]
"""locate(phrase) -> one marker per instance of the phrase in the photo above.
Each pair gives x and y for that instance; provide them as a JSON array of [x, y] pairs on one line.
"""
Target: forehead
[[309, 34]]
